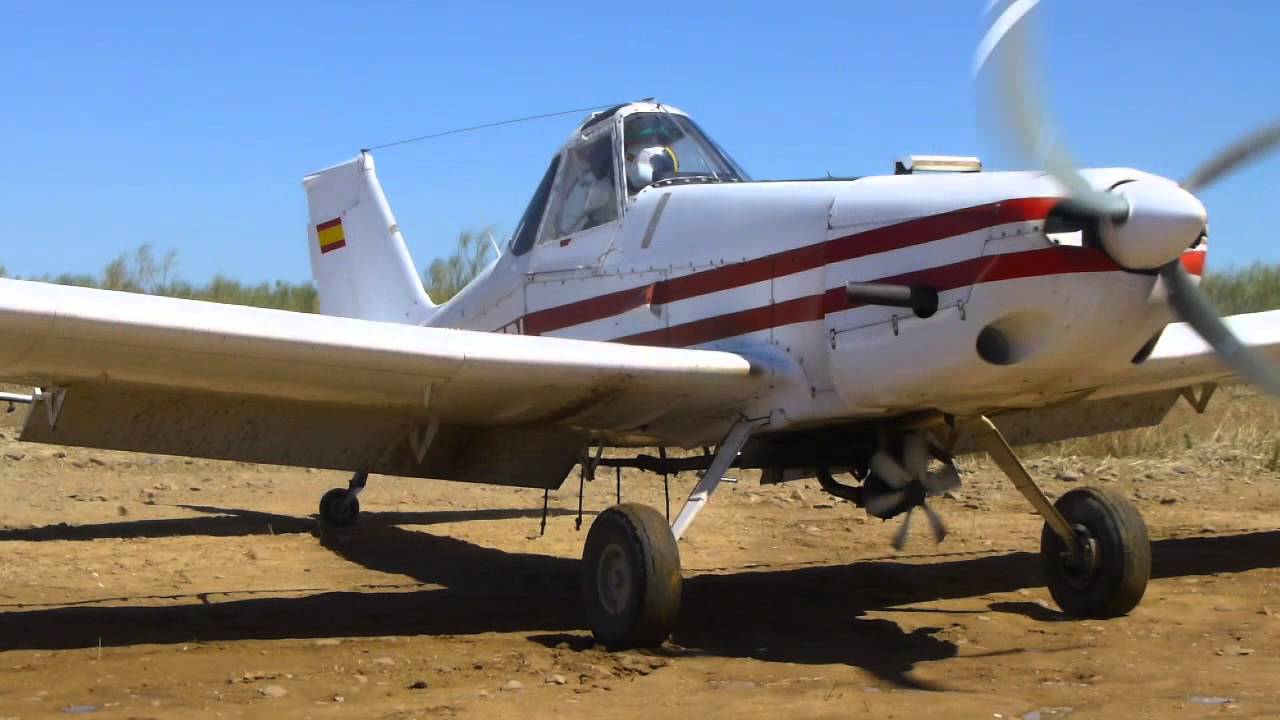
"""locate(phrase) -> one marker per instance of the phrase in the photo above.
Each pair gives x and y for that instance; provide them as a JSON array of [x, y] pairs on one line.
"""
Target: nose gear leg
[[1094, 548], [998, 448], [356, 484]]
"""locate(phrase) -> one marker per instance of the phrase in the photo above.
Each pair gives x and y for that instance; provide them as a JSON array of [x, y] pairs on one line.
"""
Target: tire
[[336, 510], [1113, 577], [631, 577]]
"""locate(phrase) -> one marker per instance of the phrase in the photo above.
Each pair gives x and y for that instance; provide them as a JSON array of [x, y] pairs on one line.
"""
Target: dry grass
[[1241, 290], [1240, 428]]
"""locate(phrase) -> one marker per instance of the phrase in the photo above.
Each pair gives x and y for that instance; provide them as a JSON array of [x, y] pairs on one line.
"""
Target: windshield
[[527, 230], [661, 146]]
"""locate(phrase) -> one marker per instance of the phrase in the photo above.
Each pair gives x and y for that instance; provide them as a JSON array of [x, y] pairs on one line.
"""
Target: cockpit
[[612, 157]]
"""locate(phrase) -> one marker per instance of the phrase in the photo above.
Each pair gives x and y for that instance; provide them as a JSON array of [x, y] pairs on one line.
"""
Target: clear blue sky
[[190, 125]]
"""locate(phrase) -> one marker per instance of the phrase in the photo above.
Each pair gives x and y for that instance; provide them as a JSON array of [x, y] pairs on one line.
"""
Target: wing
[[1181, 358], [1143, 395], [171, 376]]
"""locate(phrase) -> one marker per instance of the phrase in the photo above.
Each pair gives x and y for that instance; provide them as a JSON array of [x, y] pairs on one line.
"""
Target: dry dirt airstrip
[[146, 587]]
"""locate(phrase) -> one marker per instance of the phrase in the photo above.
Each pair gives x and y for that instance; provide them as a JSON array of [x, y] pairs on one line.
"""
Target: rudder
[[359, 261]]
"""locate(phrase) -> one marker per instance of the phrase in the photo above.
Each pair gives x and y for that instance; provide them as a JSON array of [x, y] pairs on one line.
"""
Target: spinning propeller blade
[[894, 475], [914, 468], [1005, 45], [1244, 151], [900, 537], [936, 525], [943, 481], [1197, 311], [881, 504], [915, 455]]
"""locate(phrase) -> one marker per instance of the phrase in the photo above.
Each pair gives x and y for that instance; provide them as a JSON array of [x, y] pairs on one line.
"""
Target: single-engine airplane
[[654, 295]]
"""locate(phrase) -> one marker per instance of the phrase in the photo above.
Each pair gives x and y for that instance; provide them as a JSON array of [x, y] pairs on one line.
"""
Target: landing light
[[936, 163]]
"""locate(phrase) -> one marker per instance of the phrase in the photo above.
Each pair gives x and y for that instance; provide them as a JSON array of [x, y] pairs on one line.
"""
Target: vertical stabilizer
[[359, 261]]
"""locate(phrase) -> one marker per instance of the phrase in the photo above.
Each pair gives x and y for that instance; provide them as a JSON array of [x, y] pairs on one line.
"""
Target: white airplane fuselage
[[1024, 318]]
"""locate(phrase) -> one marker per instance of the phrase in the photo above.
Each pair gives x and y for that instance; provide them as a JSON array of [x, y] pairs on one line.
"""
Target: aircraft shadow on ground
[[806, 615], [222, 522]]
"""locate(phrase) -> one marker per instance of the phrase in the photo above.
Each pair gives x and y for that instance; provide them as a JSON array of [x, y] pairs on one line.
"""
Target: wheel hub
[[613, 579], [1078, 563]]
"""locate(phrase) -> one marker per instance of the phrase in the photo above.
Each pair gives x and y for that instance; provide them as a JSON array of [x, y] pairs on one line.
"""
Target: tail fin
[[359, 262]]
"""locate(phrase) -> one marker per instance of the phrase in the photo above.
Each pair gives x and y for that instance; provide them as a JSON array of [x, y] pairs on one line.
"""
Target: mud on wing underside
[[302, 434]]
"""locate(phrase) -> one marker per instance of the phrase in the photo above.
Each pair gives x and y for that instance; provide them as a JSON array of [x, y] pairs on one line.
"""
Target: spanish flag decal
[[330, 235]]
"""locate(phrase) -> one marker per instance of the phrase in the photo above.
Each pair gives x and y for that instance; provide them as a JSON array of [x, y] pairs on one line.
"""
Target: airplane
[[655, 295]]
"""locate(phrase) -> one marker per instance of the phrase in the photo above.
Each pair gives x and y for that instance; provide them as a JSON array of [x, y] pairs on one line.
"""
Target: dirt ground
[[146, 587]]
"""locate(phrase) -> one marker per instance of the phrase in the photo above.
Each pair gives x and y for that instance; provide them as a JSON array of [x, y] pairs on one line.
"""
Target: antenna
[[512, 121]]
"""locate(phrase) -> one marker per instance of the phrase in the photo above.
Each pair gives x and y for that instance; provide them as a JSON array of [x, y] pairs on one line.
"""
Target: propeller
[[910, 483], [1145, 224]]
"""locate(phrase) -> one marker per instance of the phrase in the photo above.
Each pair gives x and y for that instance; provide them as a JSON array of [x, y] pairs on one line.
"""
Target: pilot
[[646, 164], [649, 154]]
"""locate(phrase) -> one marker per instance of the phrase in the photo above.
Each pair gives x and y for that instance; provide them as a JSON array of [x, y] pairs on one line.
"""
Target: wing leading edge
[[1181, 358]]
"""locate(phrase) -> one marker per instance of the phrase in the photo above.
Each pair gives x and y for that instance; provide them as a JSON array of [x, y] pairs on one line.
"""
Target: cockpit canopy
[[611, 157]]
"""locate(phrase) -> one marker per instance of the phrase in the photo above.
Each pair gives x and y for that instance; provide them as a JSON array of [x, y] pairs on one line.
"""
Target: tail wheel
[[337, 509], [1108, 574], [631, 577]]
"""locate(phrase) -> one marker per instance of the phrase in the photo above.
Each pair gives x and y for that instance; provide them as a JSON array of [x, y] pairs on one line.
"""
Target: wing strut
[[724, 457]]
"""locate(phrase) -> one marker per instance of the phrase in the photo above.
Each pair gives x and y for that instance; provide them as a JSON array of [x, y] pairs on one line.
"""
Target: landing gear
[[631, 577], [1106, 574], [340, 507], [631, 563], [1094, 547]]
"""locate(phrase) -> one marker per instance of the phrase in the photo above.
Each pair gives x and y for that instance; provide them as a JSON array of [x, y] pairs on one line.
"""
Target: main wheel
[[631, 577], [1109, 574], [337, 509]]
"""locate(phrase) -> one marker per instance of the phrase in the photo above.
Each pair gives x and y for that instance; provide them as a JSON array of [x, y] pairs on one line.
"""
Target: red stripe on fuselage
[[1058, 260], [788, 262], [600, 306], [937, 227]]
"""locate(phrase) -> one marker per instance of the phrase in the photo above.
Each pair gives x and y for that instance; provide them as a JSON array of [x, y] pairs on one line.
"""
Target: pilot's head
[[647, 164], [648, 140]]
